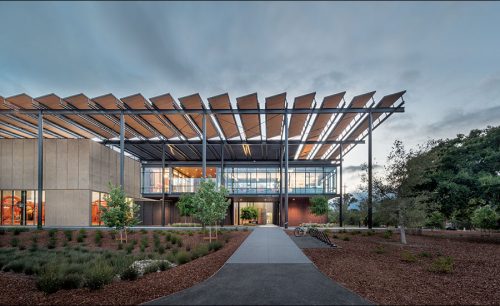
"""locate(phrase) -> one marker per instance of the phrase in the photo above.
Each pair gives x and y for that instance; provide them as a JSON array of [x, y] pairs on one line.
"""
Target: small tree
[[435, 220], [249, 213], [119, 213], [319, 205], [186, 205], [210, 204], [484, 218]]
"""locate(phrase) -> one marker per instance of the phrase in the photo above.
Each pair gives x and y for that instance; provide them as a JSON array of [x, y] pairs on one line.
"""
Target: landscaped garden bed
[[430, 269], [93, 267]]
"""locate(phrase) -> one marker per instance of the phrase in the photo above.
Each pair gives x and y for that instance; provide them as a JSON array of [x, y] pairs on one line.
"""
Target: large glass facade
[[20, 207], [98, 201], [243, 180]]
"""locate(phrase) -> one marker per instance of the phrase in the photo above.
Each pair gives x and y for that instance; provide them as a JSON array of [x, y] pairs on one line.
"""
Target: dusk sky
[[446, 55]]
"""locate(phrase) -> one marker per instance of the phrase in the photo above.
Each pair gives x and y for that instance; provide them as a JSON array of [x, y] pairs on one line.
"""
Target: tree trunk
[[402, 233], [126, 237], [216, 231], [210, 234], [121, 236]]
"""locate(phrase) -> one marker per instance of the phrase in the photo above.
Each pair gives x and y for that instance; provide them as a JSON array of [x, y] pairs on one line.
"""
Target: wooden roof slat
[[297, 121], [194, 102], [274, 122], [345, 120], [251, 122], [26, 102], [320, 122], [20, 123], [227, 122], [179, 121], [109, 101], [137, 101]]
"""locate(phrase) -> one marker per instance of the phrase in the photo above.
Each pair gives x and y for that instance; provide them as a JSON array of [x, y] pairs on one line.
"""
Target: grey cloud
[[353, 169]]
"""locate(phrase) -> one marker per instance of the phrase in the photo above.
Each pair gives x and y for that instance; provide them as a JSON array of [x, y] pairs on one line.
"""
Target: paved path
[[267, 269]]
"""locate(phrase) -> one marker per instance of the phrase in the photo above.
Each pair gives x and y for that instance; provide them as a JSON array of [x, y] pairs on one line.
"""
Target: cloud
[[358, 168]]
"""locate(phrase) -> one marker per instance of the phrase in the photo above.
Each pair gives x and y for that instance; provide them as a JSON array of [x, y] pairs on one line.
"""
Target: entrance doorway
[[265, 212]]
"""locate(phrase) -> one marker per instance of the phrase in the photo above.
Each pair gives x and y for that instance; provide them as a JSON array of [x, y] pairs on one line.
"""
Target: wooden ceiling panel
[[298, 121], [251, 122], [194, 102], [227, 122], [274, 122], [178, 121]]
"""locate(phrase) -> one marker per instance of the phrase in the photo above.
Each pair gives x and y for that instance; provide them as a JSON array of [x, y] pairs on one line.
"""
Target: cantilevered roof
[[315, 131]]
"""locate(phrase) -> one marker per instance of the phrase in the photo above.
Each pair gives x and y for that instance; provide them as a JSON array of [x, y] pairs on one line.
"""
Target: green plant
[[160, 249], [71, 281], [129, 248], [143, 231], [425, 254], [346, 238], [14, 242], [319, 205], [120, 246], [186, 205], [120, 212], [249, 213], [68, 234], [151, 268], [200, 251], [182, 257], [387, 234], [408, 256], [52, 242], [2, 231], [168, 236], [112, 234], [52, 232], [129, 274], [17, 230], [442, 265], [190, 233], [33, 247], [49, 281], [379, 249], [163, 265], [98, 237], [485, 218], [16, 266], [215, 245], [98, 275]]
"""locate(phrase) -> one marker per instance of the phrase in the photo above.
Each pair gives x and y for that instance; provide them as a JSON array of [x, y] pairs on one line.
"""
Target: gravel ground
[[20, 289], [385, 279]]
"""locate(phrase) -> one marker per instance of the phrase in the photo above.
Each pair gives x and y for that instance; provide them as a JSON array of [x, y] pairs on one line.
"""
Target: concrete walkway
[[267, 269]]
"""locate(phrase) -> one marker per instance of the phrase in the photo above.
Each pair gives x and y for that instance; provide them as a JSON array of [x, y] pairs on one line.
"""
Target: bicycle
[[301, 231]]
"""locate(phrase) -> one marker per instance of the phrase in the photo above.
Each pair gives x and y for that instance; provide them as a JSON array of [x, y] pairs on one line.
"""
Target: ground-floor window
[[20, 207], [98, 201], [265, 212]]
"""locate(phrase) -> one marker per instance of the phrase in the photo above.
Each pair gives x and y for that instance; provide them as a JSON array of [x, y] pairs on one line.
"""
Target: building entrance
[[265, 212]]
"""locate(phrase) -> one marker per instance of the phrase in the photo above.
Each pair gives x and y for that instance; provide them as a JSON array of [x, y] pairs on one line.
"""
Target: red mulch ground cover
[[21, 289], [385, 279]]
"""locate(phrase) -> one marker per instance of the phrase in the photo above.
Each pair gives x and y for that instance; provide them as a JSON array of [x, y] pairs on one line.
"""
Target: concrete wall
[[73, 168]]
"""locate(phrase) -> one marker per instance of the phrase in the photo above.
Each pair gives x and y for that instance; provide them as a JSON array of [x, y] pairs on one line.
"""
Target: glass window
[[19, 207]]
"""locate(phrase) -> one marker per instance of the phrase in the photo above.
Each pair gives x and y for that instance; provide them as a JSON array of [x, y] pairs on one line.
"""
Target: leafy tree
[[210, 204], [186, 205], [319, 205], [435, 220], [485, 218], [249, 213], [120, 213]]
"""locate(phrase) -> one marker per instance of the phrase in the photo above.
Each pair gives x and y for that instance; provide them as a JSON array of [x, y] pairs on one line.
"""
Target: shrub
[[30, 268], [142, 248], [161, 249], [188, 248], [71, 281], [151, 268], [346, 238], [388, 234], [190, 233], [145, 242], [16, 266], [200, 251], [17, 230], [120, 246], [129, 248], [163, 265], [51, 244], [425, 254], [168, 237], [129, 274], [442, 265], [98, 238], [408, 256], [68, 234], [215, 245], [112, 234], [33, 247], [22, 247], [143, 231], [2, 231], [14, 242], [34, 238], [379, 249], [335, 236], [52, 232], [79, 238], [182, 257], [49, 281], [98, 275], [82, 233]]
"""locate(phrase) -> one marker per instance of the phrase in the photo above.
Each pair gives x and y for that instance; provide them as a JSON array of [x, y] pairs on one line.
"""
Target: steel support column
[[40, 171], [204, 146], [222, 164], [341, 190], [281, 223], [122, 151], [370, 174], [163, 185], [286, 170]]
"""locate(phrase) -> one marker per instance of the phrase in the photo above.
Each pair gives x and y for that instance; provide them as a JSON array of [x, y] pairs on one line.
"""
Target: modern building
[[274, 156]]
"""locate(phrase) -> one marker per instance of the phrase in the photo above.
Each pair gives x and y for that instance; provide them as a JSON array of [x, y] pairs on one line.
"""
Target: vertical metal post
[[286, 170], [122, 151], [222, 181], [281, 189], [163, 184], [40, 169], [370, 177], [341, 199], [204, 146]]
